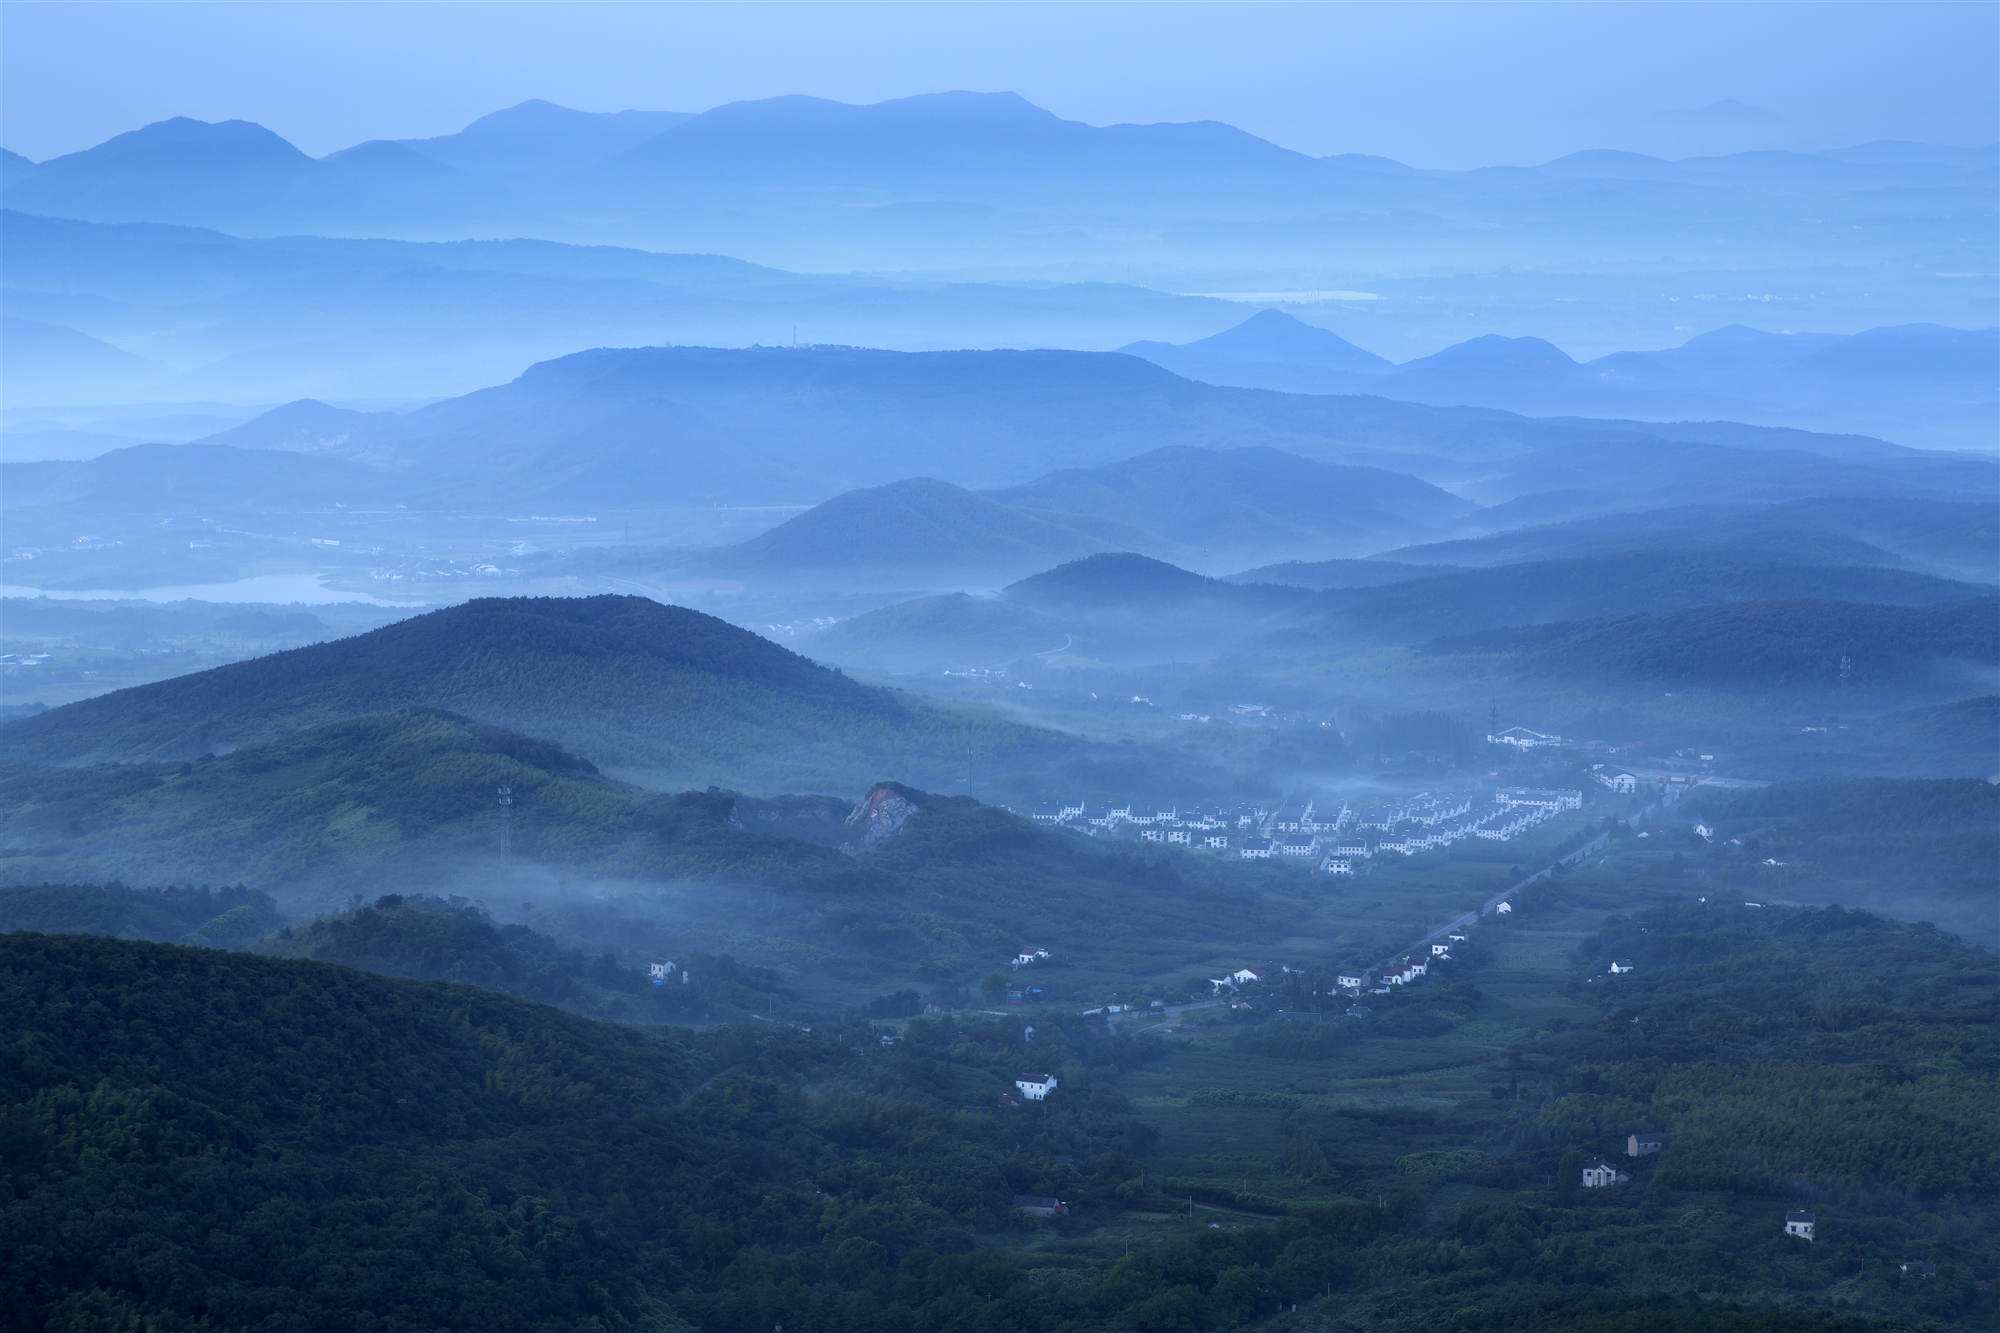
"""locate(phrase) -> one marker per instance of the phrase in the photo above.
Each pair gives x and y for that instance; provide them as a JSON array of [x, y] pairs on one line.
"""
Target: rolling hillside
[[910, 531], [1203, 507], [1957, 538], [659, 692], [1799, 645], [953, 628], [1635, 583], [1326, 575]]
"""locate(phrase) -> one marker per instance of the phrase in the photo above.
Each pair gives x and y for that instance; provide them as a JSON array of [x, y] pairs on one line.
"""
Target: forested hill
[[1753, 645], [1810, 1053], [1919, 849], [405, 801], [432, 939], [199, 1140], [1609, 584], [660, 693]]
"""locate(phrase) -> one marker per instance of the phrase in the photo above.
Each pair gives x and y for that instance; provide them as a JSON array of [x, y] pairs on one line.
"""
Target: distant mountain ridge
[[1955, 538], [811, 183], [769, 424], [1128, 607], [1205, 506], [1923, 385]]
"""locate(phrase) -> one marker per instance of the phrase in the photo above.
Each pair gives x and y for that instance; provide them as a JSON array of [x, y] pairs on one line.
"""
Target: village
[[1338, 837]]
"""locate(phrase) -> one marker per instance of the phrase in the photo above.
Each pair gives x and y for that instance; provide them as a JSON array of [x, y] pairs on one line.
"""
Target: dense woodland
[[195, 1136]]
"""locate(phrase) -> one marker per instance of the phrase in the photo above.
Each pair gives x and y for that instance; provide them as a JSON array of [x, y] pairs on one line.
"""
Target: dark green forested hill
[[658, 692], [431, 939], [217, 918], [405, 800], [196, 1140], [1796, 644], [406, 803]]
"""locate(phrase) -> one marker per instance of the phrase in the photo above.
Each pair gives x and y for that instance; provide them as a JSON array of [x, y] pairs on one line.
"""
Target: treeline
[[432, 939], [228, 917]]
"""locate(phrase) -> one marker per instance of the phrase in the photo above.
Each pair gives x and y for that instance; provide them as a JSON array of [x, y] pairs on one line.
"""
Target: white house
[[1504, 909], [1244, 976], [1261, 850], [1350, 979], [1800, 1222], [1440, 951], [1620, 966], [1618, 780], [1600, 1174], [1299, 844], [1216, 842], [1036, 1087], [1339, 865], [1523, 738]]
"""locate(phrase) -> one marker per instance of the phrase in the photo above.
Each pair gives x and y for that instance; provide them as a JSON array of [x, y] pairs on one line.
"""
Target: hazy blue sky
[[1438, 85]]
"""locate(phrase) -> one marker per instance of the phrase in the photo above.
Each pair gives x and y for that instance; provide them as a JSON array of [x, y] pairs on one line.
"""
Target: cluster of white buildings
[[1407, 970], [1335, 836], [1524, 739], [1214, 828]]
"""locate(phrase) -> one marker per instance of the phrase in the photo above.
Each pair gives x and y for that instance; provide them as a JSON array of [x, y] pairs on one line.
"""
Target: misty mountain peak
[[1497, 352], [181, 135]]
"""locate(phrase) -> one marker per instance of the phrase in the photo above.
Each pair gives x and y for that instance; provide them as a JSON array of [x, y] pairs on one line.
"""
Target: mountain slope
[[1957, 538], [174, 170], [1327, 575], [955, 629], [396, 800], [911, 530], [1813, 645], [48, 363], [1644, 582], [1196, 506], [658, 693], [1218, 504], [167, 477]]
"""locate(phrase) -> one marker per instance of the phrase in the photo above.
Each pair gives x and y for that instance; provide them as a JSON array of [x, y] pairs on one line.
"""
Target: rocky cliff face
[[877, 817]]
